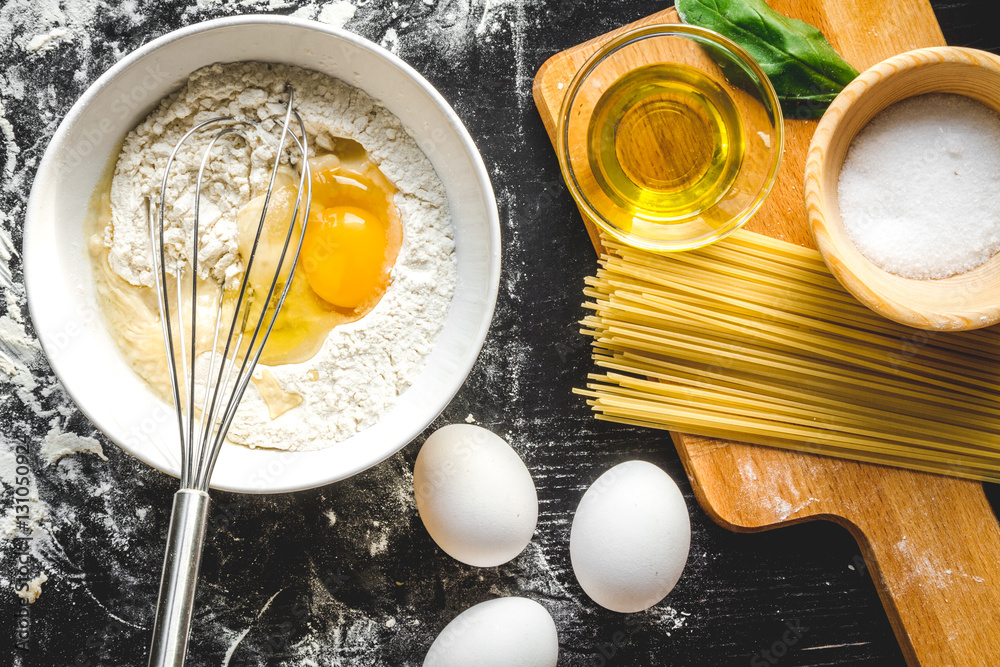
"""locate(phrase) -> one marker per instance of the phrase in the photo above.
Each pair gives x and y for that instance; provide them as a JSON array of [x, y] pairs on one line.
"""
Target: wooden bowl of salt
[[902, 188]]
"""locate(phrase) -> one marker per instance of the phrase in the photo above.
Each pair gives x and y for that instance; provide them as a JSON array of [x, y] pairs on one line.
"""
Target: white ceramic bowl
[[57, 269]]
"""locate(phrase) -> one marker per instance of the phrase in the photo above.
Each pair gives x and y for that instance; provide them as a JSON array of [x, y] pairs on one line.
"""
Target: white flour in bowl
[[363, 366]]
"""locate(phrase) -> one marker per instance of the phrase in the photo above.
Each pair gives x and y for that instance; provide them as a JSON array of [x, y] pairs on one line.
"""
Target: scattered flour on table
[[918, 189], [18, 351], [239, 637], [25, 539], [337, 13], [362, 367], [40, 26], [11, 153], [58, 444], [33, 589], [669, 618], [390, 41], [49, 40]]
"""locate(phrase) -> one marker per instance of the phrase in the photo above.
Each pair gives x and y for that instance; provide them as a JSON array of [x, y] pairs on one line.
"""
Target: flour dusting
[[337, 13], [58, 444], [11, 152], [49, 40], [33, 589]]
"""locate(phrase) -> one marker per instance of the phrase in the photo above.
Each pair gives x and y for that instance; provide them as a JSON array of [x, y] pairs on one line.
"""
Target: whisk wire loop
[[163, 298], [192, 382], [243, 377]]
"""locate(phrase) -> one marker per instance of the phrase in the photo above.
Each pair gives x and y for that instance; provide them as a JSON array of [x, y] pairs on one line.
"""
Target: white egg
[[474, 495], [506, 632], [630, 537]]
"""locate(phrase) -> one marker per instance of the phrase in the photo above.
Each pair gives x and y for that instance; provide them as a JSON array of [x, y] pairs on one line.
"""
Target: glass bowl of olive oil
[[670, 137]]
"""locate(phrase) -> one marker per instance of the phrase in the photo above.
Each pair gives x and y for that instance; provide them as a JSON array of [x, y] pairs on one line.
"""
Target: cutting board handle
[[939, 580]]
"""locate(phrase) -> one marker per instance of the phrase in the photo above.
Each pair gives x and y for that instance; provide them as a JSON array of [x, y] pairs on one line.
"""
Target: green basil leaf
[[806, 72]]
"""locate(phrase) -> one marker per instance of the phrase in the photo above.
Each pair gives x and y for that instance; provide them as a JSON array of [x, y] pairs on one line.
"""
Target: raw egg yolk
[[352, 238], [344, 255]]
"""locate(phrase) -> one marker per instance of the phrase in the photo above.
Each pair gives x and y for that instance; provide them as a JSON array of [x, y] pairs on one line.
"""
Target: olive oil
[[664, 143]]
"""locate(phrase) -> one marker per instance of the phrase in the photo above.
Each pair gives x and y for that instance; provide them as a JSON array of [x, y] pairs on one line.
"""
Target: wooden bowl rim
[[887, 305]]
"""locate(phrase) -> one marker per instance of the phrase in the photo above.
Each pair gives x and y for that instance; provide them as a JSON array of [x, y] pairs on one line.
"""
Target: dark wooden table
[[346, 575]]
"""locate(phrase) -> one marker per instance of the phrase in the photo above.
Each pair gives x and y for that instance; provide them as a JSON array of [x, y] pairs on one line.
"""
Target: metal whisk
[[229, 369]]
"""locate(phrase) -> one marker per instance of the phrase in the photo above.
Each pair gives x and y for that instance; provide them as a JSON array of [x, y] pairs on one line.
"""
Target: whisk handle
[[180, 578]]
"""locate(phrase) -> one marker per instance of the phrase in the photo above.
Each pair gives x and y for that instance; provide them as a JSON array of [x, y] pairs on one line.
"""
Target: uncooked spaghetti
[[752, 339]]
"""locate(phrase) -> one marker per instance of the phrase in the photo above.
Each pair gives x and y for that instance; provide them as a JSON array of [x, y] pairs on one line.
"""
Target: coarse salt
[[918, 190]]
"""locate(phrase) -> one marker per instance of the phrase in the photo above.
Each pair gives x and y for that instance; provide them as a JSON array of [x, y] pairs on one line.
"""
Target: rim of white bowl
[[46, 165]]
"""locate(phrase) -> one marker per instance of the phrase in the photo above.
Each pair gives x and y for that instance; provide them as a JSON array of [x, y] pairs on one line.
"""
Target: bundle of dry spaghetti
[[752, 339]]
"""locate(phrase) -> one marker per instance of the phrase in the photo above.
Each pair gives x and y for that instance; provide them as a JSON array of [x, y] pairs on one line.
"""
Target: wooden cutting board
[[931, 543]]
